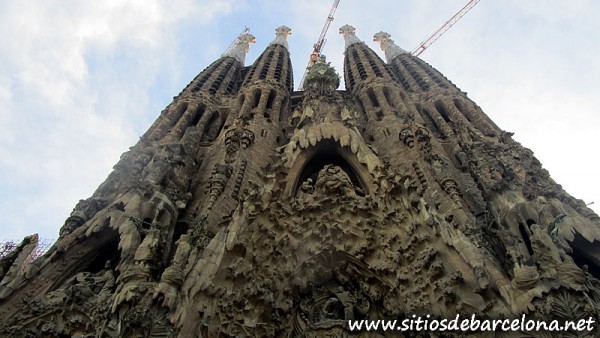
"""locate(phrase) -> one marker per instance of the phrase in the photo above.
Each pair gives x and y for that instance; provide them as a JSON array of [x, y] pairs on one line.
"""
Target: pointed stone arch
[[345, 144], [89, 256], [327, 152]]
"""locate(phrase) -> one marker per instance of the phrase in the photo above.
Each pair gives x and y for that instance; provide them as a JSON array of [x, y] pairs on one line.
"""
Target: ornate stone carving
[[333, 180], [407, 137], [218, 181], [237, 137], [241, 47], [388, 46], [330, 217], [451, 188], [83, 211], [327, 311], [322, 79]]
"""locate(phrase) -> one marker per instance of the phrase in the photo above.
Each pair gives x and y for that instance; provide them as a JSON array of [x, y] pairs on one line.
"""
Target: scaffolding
[[42, 246]]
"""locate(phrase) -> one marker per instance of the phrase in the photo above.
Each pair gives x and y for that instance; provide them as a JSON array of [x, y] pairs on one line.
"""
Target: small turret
[[281, 34], [388, 46], [348, 32], [274, 63], [361, 63], [241, 47]]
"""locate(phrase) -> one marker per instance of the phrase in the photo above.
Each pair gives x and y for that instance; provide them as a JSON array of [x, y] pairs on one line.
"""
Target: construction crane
[[436, 35], [318, 47], [245, 31]]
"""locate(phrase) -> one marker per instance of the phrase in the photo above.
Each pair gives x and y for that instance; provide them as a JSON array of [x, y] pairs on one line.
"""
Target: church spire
[[388, 46], [192, 107], [241, 47], [361, 63], [274, 62]]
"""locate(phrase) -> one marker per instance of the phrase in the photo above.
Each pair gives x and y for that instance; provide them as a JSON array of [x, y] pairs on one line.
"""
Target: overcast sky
[[80, 81]]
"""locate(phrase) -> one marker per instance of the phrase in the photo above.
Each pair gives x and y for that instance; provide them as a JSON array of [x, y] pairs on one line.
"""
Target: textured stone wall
[[250, 210]]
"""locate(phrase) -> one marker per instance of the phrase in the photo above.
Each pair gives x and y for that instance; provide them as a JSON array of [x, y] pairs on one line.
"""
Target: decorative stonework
[[241, 47], [303, 210], [281, 34], [350, 38], [322, 78], [388, 46]]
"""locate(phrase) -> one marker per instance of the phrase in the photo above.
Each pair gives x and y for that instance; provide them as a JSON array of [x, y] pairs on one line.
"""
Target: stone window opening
[[179, 113], [525, 235], [269, 106], [373, 98], [198, 115], [213, 128], [256, 98], [241, 100], [283, 113], [388, 96], [439, 106], [581, 255], [104, 256]]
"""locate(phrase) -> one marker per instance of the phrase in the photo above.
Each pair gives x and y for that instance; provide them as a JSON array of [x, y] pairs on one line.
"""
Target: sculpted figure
[[83, 211], [334, 180], [307, 186]]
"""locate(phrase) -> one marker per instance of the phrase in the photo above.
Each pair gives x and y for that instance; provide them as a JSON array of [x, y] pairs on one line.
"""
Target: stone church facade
[[249, 209]]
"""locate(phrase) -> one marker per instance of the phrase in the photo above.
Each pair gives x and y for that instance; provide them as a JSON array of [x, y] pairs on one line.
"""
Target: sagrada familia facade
[[249, 209]]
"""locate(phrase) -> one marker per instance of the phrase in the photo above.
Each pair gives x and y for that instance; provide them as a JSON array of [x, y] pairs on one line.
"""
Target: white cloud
[[74, 94]]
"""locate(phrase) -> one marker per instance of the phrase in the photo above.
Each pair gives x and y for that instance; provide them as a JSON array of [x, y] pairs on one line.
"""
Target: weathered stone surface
[[251, 210]]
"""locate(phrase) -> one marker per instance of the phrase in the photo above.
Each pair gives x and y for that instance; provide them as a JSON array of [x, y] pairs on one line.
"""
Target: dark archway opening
[[439, 106], [107, 253], [525, 236], [581, 260], [327, 153], [213, 128], [92, 256], [583, 254], [181, 228]]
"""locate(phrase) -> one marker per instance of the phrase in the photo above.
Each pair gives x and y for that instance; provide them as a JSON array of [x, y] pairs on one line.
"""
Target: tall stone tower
[[249, 210]]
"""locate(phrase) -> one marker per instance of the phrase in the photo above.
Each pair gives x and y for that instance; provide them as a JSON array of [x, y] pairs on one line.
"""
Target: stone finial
[[348, 32], [388, 46], [281, 34], [322, 77], [241, 47]]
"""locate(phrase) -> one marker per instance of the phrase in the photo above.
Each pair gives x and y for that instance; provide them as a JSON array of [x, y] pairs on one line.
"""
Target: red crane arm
[[318, 47], [321, 41]]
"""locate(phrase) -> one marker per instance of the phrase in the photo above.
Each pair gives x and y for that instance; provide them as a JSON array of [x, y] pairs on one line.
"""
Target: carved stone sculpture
[[253, 210]]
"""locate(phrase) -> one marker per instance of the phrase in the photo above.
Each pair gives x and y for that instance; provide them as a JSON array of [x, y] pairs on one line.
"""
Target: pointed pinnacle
[[281, 34], [349, 36], [388, 46]]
